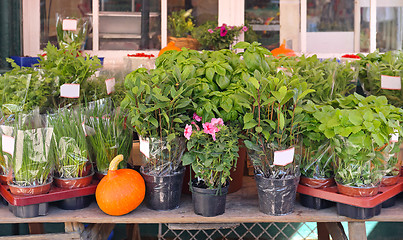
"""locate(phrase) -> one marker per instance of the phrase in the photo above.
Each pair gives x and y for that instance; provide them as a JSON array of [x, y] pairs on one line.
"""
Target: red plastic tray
[[331, 194], [55, 194]]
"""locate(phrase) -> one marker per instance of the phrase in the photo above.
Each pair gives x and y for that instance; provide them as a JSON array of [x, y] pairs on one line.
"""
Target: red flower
[[223, 31]]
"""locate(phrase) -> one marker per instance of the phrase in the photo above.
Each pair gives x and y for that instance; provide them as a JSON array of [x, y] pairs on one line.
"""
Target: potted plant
[[317, 153], [388, 155], [212, 152], [159, 103], [109, 138], [30, 159], [357, 126], [71, 31], [73, 169], [273, 132], [211, 36], [180, 27]]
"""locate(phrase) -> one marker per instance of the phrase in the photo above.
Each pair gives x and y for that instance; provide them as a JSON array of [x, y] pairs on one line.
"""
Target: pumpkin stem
[[115, 162]]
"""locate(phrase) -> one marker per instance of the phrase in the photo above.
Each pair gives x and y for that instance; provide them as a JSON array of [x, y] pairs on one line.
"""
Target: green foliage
[[70, 146], [72, 38], [180, 23], [212, 160], [211, 36], [357, 128]]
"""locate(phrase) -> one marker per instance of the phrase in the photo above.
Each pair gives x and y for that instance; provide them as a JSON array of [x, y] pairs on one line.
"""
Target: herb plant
[[69, 37], [212, 152], [180, 23]]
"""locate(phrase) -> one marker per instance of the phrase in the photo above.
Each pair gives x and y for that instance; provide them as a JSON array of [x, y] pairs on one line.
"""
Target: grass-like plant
[[110, 137], [71, 151]]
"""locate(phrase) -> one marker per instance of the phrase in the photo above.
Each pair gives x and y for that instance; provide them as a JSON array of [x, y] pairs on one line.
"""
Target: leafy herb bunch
[[359, 128], [180, 23], [273, 121], [212, 152]]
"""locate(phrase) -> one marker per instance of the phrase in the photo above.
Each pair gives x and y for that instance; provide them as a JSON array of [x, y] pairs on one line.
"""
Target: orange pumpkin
[[170, 46], [282, 50], [120, 191]]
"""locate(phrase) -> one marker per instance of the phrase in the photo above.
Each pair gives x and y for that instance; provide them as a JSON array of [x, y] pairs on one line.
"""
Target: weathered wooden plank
[[49, 236], [201, 226], [357, 231], [336, 230]]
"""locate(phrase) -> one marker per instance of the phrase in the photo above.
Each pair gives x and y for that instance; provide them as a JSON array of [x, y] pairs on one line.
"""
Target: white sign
[[110, 85], [284, 70], [7, 144], [395, 137], [284, 157], [69, 90], [145, 147], [391, 83], [69, 25]]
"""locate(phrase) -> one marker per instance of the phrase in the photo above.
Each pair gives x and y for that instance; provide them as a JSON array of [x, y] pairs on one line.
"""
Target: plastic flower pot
[[276, 196], [3, 179], [71, 183], [30, 190], [358, 212], [389, 180], [314, 202], [317, 182], [163, 192], [209, 202], [357, 191]]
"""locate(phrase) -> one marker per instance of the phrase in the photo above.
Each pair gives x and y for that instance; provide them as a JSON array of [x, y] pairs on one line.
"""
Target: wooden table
[[242, 206]]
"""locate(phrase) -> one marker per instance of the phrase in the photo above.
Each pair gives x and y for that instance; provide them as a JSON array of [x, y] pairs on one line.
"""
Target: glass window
[[263, 17]]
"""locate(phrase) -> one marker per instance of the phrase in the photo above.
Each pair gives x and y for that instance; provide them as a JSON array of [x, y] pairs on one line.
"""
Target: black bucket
[[209, 202], [276, 196], [163, 192]]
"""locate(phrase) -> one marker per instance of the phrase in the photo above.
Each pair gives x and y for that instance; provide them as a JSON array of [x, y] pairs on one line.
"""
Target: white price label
[[391, 83], [284, 157], [7, 144], [110, 85], [69, 90], [83, 125], [69, 25], [395, 137], [145, 147]]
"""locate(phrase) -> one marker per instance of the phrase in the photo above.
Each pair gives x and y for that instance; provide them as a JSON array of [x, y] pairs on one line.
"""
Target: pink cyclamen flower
[[217, 121], [196, 117], [210, 129], [223, 30], [244, 28], [188, 131], [210, 30]]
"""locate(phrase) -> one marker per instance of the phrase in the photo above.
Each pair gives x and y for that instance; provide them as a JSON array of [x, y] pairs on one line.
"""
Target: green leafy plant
[[212, 152], [180, 23], [70, 146], [357, 127], [275, 114], [110, 137], [211, 36], [159, 103]]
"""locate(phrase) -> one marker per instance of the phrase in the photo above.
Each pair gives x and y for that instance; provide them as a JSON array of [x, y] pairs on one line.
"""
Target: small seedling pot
[[75, 203], [29, 211], [71, 183], [30, 190], [317, 182], [389, 180], [314, 202], [358, 212], [357, 191]]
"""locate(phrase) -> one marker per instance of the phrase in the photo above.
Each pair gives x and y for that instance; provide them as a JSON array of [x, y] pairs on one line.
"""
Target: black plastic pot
[[163, 192], [389, 203], [358, 212], [314, 202], [276, 196], [209, 202], [75, 202], [29, 211]]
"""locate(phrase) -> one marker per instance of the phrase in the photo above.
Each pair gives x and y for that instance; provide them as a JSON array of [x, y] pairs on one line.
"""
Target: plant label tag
[[284, 157], [69, 25], [395, 137], [110, 85], [70, 90], [145, 147], [284, 70], [391, 83], [83, 125], [7, 144]]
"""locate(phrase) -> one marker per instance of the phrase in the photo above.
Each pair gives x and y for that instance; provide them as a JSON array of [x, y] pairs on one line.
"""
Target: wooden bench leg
[[133, 231], [335, 229], [36, 228], [357, 231], [94, 231], [323, 233]]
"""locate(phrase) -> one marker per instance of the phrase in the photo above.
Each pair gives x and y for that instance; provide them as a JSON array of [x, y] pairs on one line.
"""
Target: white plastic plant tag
[[70, 90], [83, 125], [69, 25], [395, 137], [284, 157], [390, 82], [7, 144], [110, 85], [145, 147]]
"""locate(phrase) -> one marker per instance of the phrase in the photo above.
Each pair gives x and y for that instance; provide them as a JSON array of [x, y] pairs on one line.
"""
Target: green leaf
[[153, 121], [259, 129], [171, 137], [250, 124], [227, 104], [223, 82], [355, 118], [210, 73], [281, 120], [254, 82], [187, 159], [247, 117], [241, 45], [178, 120]]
